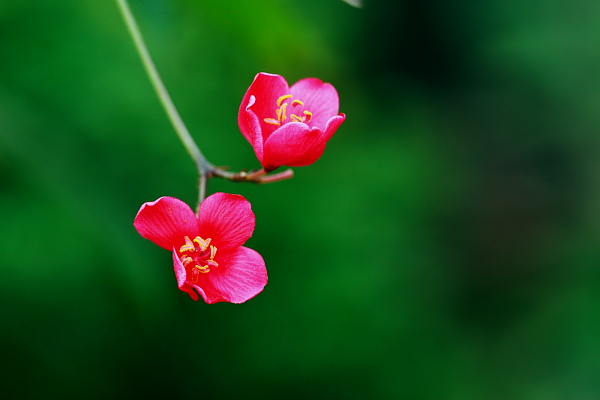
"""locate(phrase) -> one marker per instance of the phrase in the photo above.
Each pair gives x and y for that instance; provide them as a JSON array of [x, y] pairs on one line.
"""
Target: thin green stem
[[202, 184], [204, 167]]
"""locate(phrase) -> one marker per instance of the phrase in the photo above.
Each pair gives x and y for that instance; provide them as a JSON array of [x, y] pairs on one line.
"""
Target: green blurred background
[[444, 247]]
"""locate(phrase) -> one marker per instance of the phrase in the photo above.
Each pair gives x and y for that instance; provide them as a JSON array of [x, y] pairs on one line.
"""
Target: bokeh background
[[444, 247]]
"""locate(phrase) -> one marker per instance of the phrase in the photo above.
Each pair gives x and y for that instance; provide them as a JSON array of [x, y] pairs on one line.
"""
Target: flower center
[[200, 253], [282, 106]]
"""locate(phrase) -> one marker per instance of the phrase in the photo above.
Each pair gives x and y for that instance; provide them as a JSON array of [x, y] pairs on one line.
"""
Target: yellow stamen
[[272, 121], [189, 246], [296, 118], [308, 115], [201, 247], [282, 99], [281, 113], [202, 243], [297, 102]]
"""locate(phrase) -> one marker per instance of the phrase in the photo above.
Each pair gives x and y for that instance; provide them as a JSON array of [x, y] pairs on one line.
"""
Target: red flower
[[207, 249], [289, 126]]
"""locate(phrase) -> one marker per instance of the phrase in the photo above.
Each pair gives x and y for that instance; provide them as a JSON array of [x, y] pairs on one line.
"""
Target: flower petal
[[332, 125], [294, 145], [181, 275], [241, 275], [250, 127], [266, 89], [227, 219], [166, 221], [320, 98]]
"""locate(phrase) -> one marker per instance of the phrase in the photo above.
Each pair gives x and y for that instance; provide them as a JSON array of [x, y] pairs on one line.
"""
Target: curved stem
[[204, 167]]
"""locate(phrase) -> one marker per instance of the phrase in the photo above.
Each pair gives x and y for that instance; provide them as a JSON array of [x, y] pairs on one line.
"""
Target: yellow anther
[[296, 118], [308, 115], [186, 260], [203, 269], [282, 99], [202, 243], [281, 112], [188, 246], [297, 103], [213, 252], [272, 121], [212, 263]]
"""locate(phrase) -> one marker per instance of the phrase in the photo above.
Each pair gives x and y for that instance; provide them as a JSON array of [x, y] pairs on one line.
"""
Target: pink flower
[[289, 126], [207, 250]]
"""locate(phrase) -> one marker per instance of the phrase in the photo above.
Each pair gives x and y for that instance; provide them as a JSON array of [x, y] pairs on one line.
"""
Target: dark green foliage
[[444, 248]]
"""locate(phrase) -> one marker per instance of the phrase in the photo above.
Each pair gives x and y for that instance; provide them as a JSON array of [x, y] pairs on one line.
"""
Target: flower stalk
[[161, 90], [204, 167]]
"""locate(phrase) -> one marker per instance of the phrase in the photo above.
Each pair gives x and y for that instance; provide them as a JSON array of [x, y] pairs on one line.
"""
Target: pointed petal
[[166, 221], [228, 219], [294, 145], [266, 89], [181, 275], [320, 98], [241, 275], [332, 125], [250, 127]]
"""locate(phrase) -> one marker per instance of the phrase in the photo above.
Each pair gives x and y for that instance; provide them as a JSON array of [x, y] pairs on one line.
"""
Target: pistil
[[196, 252]]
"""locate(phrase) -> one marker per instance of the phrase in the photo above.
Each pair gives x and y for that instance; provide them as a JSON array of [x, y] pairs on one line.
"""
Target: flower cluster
[[286, 126]]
